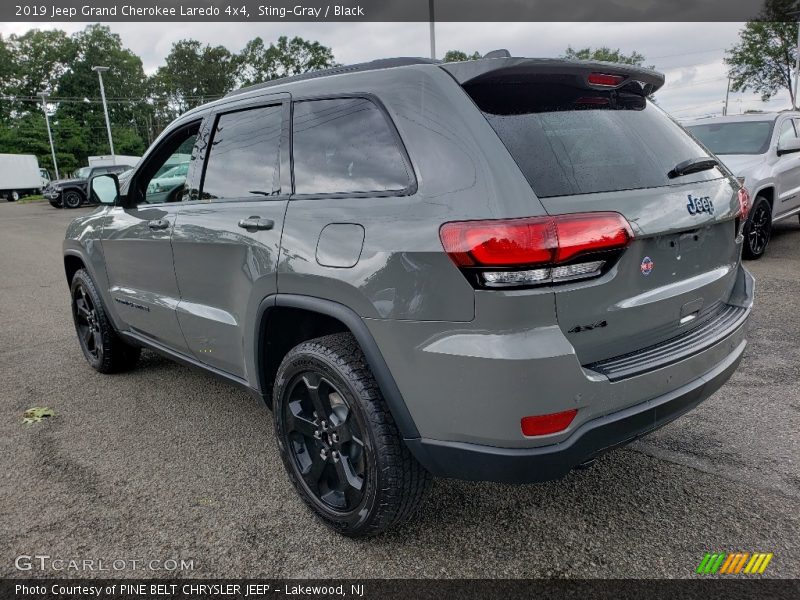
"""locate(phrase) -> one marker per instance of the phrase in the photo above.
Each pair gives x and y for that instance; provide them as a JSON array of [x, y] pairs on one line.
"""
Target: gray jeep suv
[[490, 270]]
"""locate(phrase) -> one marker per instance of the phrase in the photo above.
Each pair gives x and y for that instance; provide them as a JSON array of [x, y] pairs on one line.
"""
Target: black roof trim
[[373, 65]]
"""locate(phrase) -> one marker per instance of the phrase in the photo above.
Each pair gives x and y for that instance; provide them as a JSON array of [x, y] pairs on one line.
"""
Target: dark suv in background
[[489, 270], [75, 191]]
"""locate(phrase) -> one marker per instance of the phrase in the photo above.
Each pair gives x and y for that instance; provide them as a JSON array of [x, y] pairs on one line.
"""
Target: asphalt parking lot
[[168, 463]]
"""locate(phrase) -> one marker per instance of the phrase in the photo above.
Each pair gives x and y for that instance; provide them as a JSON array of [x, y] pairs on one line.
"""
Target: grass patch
[[37, 198]]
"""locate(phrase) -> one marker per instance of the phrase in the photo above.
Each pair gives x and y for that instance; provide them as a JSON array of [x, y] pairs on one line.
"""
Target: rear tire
[[339, 443], [13, 196], [72, 198], [104, 350], [757, 229]]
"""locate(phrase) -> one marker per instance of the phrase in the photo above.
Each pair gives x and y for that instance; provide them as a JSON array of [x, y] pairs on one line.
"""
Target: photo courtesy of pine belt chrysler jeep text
[[488, 270]]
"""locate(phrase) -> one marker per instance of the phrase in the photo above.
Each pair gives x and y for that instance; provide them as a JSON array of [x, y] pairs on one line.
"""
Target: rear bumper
[[528, 465]]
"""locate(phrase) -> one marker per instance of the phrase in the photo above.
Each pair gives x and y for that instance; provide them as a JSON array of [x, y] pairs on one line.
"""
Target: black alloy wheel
[[72, 199], [325, 442], [102, 347], [338, 441], [87, 322], [758, 229]]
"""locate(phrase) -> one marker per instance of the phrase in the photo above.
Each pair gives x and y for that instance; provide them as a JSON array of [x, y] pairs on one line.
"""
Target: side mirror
[[789, 146], [104, 188]]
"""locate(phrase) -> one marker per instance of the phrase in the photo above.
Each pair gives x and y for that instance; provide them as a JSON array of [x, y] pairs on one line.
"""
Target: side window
[[345, 145], [787, 131], [165, 184], [244, 156]]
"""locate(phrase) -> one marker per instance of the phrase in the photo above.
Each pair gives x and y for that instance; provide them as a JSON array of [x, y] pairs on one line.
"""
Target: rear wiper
[[693, 165]]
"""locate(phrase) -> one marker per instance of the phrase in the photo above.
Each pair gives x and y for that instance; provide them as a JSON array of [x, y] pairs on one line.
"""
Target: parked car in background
[[498, 283], [19, 176], [763, 151], [74, 191], [169, 186]]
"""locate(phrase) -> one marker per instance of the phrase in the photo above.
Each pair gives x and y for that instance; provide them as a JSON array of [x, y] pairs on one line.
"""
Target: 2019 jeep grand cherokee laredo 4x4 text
[[484, 270]]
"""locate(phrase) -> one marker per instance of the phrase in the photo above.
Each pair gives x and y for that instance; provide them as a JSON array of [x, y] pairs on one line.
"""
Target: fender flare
[[358, 328]]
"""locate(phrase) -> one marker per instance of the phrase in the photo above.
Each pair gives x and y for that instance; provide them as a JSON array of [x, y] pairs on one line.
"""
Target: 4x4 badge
[[700, 205], [647, 265]]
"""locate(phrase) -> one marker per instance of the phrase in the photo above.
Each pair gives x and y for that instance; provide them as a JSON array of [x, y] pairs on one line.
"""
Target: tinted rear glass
[[750, 137], [569, 140], [345, 145]]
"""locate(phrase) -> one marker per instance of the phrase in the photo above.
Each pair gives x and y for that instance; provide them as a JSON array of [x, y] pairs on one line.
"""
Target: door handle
[[256, 223], [158, 224]]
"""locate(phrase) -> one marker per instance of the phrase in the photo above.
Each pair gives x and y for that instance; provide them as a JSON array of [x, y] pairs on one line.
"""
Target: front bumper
[[528, 465]]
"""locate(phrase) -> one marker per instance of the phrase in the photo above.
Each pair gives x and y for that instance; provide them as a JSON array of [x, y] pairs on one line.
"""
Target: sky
[[689, 54]]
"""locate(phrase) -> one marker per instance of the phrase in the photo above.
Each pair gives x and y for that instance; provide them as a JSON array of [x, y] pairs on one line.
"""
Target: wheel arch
[[73, 262], [285, 320], [767, 192]]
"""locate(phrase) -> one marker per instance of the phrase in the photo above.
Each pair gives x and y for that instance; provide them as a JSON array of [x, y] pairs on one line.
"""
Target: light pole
[[433, 30], [796, 66], [49, 135], [100, 71]]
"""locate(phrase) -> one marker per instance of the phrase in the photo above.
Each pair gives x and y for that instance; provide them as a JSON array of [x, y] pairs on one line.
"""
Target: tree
[[763, 59], [459, 56], [193, 74], [604, 53], [125, 87], [258, 63]]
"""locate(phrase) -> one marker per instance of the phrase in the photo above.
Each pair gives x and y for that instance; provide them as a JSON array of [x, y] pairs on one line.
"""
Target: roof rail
[[381, 63]]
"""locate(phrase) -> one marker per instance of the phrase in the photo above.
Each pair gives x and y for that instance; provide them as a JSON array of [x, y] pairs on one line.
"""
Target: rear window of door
[[346, 145], [245, 155]]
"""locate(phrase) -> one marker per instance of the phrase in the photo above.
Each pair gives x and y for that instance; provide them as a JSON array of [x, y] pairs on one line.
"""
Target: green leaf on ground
[[36, 414]]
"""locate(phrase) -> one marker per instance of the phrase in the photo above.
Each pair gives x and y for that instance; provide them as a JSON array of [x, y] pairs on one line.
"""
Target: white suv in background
[[763, 151]]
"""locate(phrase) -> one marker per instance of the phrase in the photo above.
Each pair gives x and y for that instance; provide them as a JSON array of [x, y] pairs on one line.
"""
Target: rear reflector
[[545, 424], [535, 241], [605, 79]]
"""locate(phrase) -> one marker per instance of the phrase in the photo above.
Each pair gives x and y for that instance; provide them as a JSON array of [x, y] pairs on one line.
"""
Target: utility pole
[[99, 71], [49, 135], [796, 67], [433, 30], [727, 93]]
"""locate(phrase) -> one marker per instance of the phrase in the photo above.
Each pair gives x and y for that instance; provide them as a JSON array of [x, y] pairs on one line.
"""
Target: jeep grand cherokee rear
[[492, 270]]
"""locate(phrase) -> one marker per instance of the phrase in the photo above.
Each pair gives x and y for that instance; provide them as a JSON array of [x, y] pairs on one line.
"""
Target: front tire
[[72, 198], [104, 350], [757, 229], [339, 443], [13, 196]]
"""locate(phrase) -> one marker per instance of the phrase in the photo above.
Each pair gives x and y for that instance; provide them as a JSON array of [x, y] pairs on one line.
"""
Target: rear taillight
[[605, 79], [535, 250], [744, 203]]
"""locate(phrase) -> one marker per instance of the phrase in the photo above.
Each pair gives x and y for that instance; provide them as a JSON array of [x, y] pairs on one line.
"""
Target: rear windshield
[[568, 140], [748, 137]]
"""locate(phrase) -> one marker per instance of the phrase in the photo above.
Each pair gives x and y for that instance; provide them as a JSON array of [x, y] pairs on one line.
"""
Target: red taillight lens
[[605, 79], [744, 203], [544, 424], [533, 241], [500, 243], [593, 232]]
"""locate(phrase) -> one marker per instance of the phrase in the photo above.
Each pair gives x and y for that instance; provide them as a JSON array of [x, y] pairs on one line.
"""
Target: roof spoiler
[[508, 70]]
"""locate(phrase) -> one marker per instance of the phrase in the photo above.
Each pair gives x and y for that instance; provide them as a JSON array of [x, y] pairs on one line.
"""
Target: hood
[[66, 181], [741, 164]]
